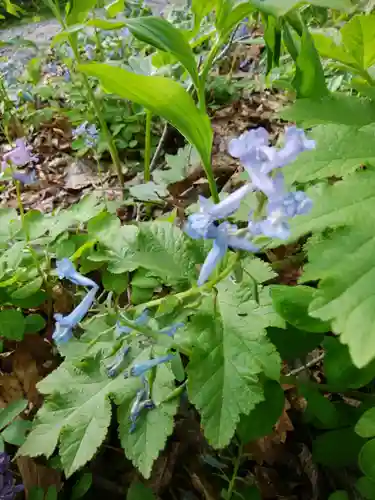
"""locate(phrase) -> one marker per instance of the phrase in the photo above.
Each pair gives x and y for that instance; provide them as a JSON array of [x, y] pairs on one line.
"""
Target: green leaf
[[230, 15], [76, 412], [28, 289], [353, 147], [340, 370], [309, 80], [366, 488], [366, 459], [327, 47], [163, 97], [338, 448], [166, 251], [143, 279], [104, 24], [12, 324], [272, 37], [15, 433], [263, 417], [201, 9], [339, 495], [342, 203], [115, 7], [259, 270], [161, 34], [51, 493], [138, 491], [115, 282], [281, 7], [344, 263], [179, 166], [292, 303], [320, 411], [149, 192], [82, 486], [366, 424], [79, 10], [335, 108], [8, 414], [358, 38], [230, 357], [153, 428], [293, 343], [107, 230]]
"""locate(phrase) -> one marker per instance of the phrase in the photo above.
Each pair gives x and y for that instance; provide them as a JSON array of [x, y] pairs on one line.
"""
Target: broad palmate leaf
[[340, 151], [343, 203], [143, 446], [76, 413], [165, 250], [345, 265], [231, 356]]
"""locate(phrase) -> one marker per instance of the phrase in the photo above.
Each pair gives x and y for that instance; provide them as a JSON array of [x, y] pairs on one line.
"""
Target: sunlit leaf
[[163, 97]]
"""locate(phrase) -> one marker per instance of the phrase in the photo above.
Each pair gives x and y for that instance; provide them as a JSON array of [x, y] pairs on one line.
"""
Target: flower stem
[[108, 136], [237, 464], [147, 170]]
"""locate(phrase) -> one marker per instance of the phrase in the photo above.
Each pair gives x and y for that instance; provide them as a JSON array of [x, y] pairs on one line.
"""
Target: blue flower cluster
[[263, 163], [143, 399], [89, 133], [20, 156], [65, 324], [8, 490]]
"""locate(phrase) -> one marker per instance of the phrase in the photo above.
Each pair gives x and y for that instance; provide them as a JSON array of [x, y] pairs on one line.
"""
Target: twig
[[155, 158], [307, 365]]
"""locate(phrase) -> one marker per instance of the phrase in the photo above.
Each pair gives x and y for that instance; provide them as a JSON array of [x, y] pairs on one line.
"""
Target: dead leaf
[[37, 475]]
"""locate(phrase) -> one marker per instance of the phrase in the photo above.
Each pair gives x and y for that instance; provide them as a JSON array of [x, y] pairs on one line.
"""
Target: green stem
[[237, 464], [195, 291], [99, 45], [204, 74], [147, 171], [33, 254], [108, 136]]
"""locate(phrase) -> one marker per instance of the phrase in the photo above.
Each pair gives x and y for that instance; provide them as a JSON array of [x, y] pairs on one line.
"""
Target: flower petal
[[217, 253]]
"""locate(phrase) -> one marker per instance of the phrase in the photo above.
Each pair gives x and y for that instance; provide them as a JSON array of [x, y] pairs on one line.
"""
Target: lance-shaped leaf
[[79, 11], [231, 356], [281, 7], [163, 97], [161, 34]]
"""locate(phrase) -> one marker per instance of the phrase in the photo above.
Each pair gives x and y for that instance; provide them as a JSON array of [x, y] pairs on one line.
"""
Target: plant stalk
[[147, 169]]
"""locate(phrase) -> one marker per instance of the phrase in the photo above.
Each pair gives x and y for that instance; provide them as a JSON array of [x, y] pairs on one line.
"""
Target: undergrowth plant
[[172, 307]]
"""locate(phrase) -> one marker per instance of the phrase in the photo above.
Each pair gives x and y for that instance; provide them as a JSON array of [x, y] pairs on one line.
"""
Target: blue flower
[[201, 224], [140, 369], [171, 330], [279, 211], [8, 490], [224, 239], [90, 51], [66, 270], [141, 402], [141, 320], [25, 178], [67, 75], [260, 159], [20, 155], [65, 324], [88, 132], [114, 367]]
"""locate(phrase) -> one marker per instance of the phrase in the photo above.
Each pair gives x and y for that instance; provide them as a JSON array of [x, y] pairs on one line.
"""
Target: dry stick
[[307, 365]]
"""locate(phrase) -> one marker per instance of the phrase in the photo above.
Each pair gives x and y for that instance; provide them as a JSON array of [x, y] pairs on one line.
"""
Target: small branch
[[155, 158], [311, 363]]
